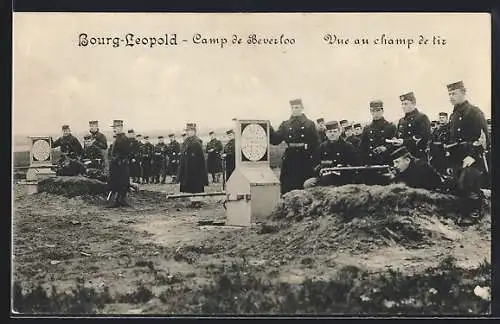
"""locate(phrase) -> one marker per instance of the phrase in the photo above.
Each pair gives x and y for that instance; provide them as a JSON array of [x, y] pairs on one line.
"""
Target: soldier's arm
[[276, 137], [101, 142], [351, 155], [425, 130], [363, 147], [314, 136], [77, 146], [483, 125], [57, 142]]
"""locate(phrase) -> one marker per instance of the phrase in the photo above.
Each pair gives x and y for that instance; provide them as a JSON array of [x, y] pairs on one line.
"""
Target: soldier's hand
[[468, 161], [133, 160]]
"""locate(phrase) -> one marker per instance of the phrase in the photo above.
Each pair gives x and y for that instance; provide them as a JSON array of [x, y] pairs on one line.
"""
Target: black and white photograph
[[217, 164]]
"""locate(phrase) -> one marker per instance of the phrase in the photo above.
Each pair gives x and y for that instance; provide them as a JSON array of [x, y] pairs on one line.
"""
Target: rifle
[[337, 170]]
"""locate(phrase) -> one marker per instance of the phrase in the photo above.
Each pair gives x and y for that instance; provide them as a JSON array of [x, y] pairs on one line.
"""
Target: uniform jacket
[[68, 144], [334, 153], [374, 135], [229, 151], [173, 151], [100, 140], [119, 173], [214, 158], [415, 125], [419, 175]]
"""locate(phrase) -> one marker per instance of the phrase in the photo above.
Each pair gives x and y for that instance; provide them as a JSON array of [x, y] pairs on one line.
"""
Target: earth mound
[[72, 186]]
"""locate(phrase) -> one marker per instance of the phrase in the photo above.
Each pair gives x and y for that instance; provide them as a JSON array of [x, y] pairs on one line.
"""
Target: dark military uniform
[[332, 154], [69, 144], [192, 175], [94, 154], [415, 130], [134, 159], [147, 151], [321, 131], [229, 157], [159, 162], [374, 135], [119, 175], [173, 153], [437, 153], [301, 137], [214, 165], [418, 174], [466, 123]]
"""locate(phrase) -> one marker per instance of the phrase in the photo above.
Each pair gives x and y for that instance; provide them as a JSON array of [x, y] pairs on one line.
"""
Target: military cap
[[117, 123], [443, 114], [332, 125], [138, 135], [93, 122], [348, 127], [183, 134], [146, 137], [171, 135], [400, 152], [65, 127], [296, 102], [211, 133], [343, 122], [87, 137], [455, 86], [357, 125], [130, 131], [410, 96], [160, 137], [376, 104], [320, 120], [229, 131], [190, 126]]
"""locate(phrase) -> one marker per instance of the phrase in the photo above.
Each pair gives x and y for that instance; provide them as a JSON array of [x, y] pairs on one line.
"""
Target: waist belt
[[297, 145]]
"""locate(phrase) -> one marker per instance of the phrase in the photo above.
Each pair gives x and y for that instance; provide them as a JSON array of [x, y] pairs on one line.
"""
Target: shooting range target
[[41, 150], [254, 142]]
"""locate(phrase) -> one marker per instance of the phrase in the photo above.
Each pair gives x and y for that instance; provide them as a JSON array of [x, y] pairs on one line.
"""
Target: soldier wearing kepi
[[192, 175], [374, 149], [321, 129], [343, 124], [414, 129], [68, 143], [440, 138], [159, 161], [467, 125], [334, 152], [229, 154], [92, 155], [301, 137], [98, 138], [119, 175], [135, 163], [214, 150], [174, 155], [413, 172], [147, 150]]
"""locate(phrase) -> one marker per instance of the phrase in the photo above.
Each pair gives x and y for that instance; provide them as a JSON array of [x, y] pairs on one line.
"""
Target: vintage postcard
[[192, 163]]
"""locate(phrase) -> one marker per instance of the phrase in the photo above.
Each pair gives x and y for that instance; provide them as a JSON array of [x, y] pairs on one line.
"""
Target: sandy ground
[[61, 241]]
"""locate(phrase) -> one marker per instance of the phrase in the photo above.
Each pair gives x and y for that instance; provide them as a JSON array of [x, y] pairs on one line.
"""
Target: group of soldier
[[446, 154], [453, 156]]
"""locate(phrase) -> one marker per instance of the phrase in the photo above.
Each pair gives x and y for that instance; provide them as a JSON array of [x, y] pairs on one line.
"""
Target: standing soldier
[[440, 138], [373, 147], [214, 150], [301, 137], [343, 124], [229, 154], [99, 139], [134, 162], [147, 150], [119, 176], [334, 152], [159, 161], [174, 155], [192, 175], [467, 125], [353, 139], [321, 129], [414, 129], [68, 143]]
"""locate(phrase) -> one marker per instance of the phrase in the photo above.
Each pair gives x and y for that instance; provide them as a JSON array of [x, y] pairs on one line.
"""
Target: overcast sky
[[57, 82]]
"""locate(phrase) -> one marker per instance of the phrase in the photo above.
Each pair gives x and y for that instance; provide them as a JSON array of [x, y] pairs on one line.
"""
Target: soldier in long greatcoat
[[414, 129], [214, 150], [301, 136], [373, 148], [174, 155], [119, 175], [467, 127], [229, 154], [135, 163], [192, 174]]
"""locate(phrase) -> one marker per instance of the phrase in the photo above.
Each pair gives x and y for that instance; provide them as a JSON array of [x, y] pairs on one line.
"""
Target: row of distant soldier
[[148, 162]]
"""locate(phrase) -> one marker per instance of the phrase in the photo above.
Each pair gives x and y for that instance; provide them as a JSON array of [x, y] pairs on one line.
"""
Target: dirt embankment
[[327, 250]]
